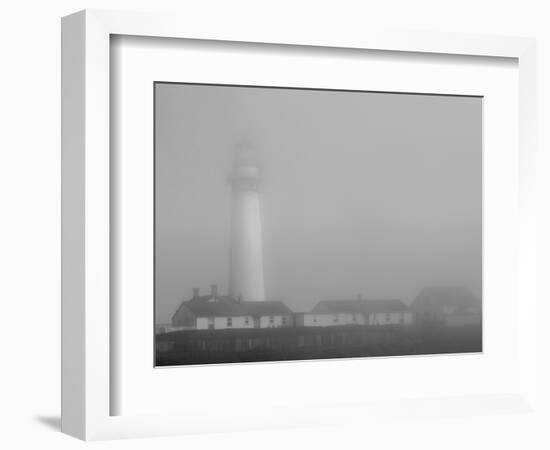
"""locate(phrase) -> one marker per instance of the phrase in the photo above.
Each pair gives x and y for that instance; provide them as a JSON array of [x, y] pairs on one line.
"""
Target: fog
[[370, 194]]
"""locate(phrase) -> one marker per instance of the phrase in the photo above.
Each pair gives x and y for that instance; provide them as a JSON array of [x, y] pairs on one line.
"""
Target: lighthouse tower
[[246, 281]]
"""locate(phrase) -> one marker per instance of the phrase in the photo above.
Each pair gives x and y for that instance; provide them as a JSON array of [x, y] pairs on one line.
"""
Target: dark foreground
[[302, 343]]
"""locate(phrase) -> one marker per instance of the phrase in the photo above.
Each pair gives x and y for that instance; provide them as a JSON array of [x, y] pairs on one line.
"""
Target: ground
[[300, 343]]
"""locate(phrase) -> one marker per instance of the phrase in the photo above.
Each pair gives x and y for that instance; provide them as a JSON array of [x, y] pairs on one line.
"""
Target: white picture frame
[[87, 385]]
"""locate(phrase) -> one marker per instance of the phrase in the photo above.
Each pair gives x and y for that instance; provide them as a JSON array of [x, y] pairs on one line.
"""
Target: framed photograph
[[250, 205], [295, 223]]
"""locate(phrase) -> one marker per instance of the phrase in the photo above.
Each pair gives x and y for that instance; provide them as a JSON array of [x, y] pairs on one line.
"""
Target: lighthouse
[[246, 272]]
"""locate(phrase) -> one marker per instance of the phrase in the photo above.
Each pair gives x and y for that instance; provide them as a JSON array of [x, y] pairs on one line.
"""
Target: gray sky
[[363, 193]]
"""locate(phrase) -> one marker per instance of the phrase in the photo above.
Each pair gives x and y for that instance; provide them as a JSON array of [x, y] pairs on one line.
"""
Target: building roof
[[228, 307], [359, 306], [436, 297]]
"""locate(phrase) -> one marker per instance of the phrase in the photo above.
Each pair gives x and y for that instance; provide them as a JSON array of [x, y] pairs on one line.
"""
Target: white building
[[453, 306], [215, 312], [356, 312], [320, 319]]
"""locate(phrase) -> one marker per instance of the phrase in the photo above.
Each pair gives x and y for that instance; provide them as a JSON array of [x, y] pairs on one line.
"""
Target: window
[[271, 320], [246, 321], [230, 321], [284, 320]]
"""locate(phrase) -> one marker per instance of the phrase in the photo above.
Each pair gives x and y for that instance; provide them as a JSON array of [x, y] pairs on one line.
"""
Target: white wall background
[[29, 225]]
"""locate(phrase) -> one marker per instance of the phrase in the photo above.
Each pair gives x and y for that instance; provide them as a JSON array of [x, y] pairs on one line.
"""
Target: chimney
[[195, 293], [214, 288]]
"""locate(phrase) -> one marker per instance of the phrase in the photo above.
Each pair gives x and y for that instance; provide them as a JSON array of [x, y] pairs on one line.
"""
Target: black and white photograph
[[304, 224], [292, 224]]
